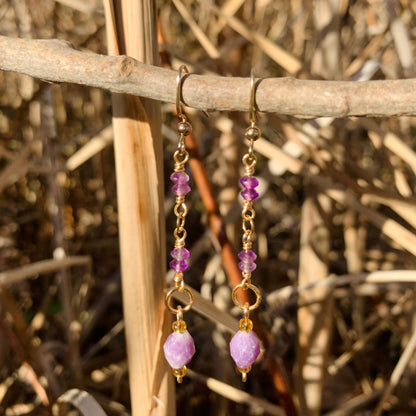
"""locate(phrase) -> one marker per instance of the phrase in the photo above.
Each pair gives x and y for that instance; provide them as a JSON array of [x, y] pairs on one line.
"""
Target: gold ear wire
[[252, 112], [179, 110]]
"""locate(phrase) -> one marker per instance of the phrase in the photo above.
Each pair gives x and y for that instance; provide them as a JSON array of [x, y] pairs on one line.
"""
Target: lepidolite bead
[[179, 349], [244, 348], [178, 265], [247, 261]]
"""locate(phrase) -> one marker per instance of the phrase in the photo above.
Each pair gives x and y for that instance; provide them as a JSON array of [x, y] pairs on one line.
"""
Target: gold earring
[[245, 345], [179, 347]]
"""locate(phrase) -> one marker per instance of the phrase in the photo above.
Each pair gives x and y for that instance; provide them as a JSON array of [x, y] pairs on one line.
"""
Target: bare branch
[[57, 61]]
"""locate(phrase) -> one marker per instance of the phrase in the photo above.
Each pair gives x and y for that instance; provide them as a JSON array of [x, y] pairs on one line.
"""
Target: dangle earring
[[179, 347], [245, 345]]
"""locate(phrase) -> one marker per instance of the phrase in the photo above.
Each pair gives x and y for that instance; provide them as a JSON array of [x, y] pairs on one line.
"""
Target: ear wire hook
[[252, 113], [179, 79]]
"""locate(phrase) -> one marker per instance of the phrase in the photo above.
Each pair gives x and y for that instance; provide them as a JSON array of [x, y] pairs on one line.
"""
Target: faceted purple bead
[[249, 194], [180, 178], [249, 182], [178, 265], [248, 256], [179, 349], [247, 267], [244, 348], [180, 253], [180, 190]]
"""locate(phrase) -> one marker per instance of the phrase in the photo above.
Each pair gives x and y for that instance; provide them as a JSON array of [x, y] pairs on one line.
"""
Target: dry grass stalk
[[397, 373], [91, 148], [41, 267], [237, 395], [363, 341], [332, 281], [17, 168], [229, 8], [211, 50], [278, 54], [401, 39], [80, 400], [314, 320], [137, 141], [210, 311]]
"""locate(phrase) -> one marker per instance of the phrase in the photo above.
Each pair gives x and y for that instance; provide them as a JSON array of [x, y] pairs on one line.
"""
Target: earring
[[179, 347], [245, 345]]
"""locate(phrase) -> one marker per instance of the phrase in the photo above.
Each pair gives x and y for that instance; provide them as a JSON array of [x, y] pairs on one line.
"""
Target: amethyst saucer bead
[[180, 178], [180, 253], [247, 258], [178, 265], [181, 190], [249, 194], [181, 187], [249, 184]]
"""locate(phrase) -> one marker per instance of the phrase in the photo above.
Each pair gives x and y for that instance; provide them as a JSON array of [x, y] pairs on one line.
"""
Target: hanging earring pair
[[179, 347]]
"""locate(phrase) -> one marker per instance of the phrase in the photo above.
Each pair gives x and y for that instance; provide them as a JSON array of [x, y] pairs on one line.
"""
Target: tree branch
[[57, 61]]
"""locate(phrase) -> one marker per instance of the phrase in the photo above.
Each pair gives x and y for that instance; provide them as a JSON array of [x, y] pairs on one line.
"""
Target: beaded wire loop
[[245, 346], [179, 347]]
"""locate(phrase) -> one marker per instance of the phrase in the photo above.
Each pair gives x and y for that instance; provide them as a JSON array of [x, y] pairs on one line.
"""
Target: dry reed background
[[335, 219]]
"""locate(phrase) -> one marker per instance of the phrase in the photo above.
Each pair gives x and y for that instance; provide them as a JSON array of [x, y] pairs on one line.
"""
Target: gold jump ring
[[246, 286], [169, 297]]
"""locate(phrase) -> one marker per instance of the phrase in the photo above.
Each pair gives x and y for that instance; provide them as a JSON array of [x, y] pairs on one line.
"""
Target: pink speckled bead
[[179, 349], [244, 348]]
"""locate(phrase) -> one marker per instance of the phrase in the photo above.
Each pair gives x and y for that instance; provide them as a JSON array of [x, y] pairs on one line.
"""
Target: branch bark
[[56, 60]]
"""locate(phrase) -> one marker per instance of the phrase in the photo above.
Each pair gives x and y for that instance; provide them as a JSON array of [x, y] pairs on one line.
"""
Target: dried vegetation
[[335, 220]]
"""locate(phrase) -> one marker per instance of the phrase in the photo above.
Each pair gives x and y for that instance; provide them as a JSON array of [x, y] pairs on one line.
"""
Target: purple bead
[[179, 349], [178, 265], [180, 253], [248, 256], [244, 348], [249, 182], [249, 194], [247, 267], [180, 190], [180, 178]]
